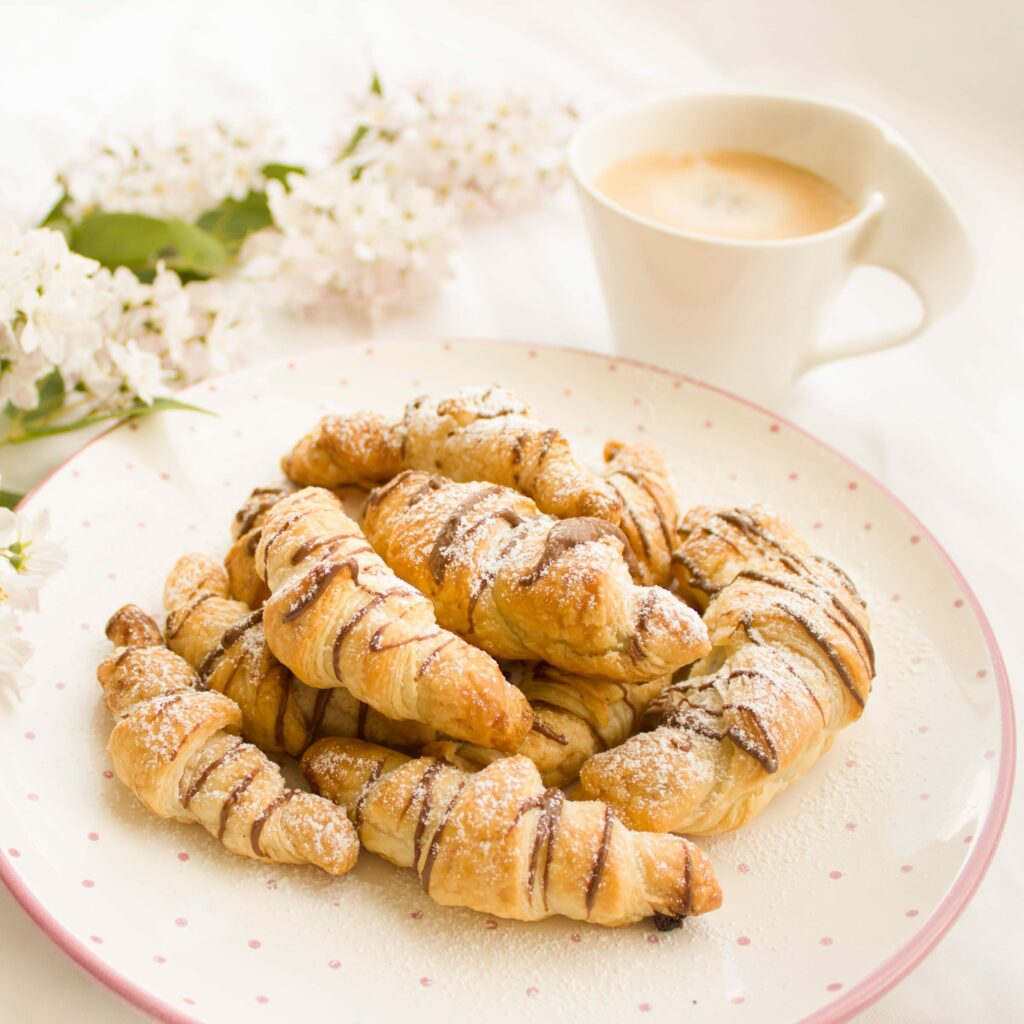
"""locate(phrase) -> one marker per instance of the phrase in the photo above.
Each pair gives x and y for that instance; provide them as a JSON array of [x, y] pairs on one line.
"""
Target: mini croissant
[[638, 475], [574, 717], [339, 617], [176, 749], [498, 842], [523, 585], [244, 583], [224, 642], [475, 434], [791, 664]]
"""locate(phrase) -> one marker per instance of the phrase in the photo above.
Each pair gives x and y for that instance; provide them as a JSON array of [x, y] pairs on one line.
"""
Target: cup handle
[[916, 233]]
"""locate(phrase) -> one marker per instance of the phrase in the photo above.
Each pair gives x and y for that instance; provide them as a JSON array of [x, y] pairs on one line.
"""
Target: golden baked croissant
[[244, 583], [790, 665], [498, 842], [339, 616], [175, 749], [638, 475], [574, 717], [475, 434], [224, 641], [520, 584]]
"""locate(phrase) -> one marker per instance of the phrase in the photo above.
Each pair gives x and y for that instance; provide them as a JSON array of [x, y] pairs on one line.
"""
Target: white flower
[[14, 652], [142, 373], [368, 243], [487, 154], [27, 558], [177, 170], [113, 339]]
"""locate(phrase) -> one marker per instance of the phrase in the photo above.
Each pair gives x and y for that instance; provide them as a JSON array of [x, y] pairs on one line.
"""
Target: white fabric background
[[940, 421]]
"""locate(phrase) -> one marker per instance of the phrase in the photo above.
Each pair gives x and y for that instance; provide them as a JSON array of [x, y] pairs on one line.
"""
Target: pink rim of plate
[[861, 995]]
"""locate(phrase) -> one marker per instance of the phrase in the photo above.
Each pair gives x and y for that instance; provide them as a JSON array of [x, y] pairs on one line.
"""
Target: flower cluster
[[27, 559], [357, 240], [486, 154], [114, 340], [170, 171]]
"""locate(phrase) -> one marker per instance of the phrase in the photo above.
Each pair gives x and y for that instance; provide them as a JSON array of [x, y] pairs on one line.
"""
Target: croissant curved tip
[[130, 626]]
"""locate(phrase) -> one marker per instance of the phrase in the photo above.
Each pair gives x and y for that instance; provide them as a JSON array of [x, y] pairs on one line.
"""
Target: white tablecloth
[[941, 422]]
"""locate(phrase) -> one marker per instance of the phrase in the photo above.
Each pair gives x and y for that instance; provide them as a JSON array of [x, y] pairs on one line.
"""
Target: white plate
[[832, 895]]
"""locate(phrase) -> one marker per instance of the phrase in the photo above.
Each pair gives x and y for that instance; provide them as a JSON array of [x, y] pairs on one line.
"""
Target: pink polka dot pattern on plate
[[263, 1000], [532, 990], [851, 826], [33, 796], [644, 1007], [183, 856], [88, 883], [490, 925], [737, 1000], [416, 914], [108, 774], [913, 913], [181, 922], [835, 875], [96, 939], [575, 937], [93, 837], [334, 964], [255, 944], [743, 940], [158, 959], [742, 868], [825, 940], [30, 735], [906, 868], [915, 539], [426, 982], [653, 939], [852, 485], [12, 852], [834, 986]]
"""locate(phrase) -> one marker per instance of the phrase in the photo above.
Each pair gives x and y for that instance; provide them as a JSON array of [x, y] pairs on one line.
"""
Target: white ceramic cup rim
[[868, 208]]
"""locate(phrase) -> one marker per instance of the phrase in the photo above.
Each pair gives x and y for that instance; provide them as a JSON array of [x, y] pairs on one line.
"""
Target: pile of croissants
[[502, 624]]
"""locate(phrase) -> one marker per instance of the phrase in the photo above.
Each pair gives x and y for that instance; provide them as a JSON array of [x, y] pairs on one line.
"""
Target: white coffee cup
[[749, 315]]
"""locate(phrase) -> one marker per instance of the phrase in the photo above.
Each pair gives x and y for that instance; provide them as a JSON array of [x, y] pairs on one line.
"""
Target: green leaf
[[375, 86], [51, 398], [354, 139], [57, 218], [135, 411], [9, 499], [280, 172], [138, 242], [235, 219]]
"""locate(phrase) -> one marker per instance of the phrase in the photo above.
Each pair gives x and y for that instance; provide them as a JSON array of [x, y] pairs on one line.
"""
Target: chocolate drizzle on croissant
[[482, 434], [524, 585], [500, 843], [173, 746], [381, 638], [791, 664]]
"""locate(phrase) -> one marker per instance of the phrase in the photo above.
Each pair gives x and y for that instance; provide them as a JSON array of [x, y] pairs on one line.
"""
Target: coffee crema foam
[[726, 193]]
